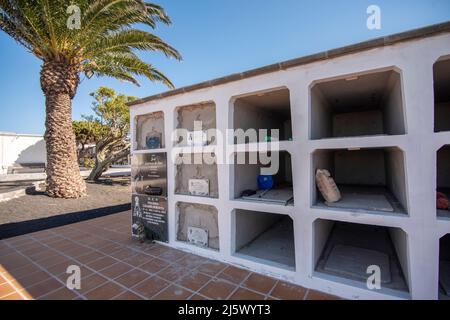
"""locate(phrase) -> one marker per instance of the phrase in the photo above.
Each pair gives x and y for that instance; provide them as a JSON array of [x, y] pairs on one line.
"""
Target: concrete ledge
[[112, 172], [18, 191], [22, 177], [15, 193], [333, 53]]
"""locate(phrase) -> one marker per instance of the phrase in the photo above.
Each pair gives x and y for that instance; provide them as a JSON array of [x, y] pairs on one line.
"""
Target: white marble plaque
[[199, 187], [198, 236]]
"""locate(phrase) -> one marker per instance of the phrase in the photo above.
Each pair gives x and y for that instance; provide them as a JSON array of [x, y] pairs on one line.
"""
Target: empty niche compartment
[[369, 180], [441, 75], [247, 168], [150, 131], [198, 225], [265, 110], [346, 250], [363, 105], [265, 237], [444, 268], [196, 175], [443, 182], [204, 113]]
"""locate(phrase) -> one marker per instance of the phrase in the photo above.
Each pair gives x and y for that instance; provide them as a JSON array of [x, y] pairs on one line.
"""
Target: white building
[[21, 149], [376, 115]]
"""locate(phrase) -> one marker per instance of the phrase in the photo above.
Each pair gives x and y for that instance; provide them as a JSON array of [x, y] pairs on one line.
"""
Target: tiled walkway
[[114, 266]]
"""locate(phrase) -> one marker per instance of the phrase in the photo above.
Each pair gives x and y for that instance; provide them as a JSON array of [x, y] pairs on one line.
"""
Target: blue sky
[[217, 38]]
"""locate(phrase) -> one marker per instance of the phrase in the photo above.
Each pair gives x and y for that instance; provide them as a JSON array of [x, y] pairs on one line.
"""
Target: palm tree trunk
[[59, 83]]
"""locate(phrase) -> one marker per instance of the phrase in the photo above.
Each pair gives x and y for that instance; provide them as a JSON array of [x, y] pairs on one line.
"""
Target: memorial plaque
[[149, 174], [199, 187], [198, 236], [149, 196], [150, 214]]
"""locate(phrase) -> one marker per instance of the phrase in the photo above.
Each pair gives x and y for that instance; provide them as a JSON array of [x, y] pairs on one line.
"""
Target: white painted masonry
[[418, 252], [20, 148]]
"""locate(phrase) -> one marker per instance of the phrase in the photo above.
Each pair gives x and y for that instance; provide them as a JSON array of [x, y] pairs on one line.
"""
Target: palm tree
[[81, 36]]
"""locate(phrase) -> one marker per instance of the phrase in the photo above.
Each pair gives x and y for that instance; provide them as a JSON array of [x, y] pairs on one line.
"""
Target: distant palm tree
[[74, 36]]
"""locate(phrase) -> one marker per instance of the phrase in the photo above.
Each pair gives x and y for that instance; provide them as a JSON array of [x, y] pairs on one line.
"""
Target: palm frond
[[134, 39], [107, 37], [129, 64]]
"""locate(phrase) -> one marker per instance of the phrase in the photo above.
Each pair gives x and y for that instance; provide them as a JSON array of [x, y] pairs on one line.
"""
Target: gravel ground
[[105, 193]]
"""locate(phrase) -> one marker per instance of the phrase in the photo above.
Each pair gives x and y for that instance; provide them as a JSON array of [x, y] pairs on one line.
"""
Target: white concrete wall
[[20, 148], [360, 167], [250, 224], [321, 118], [414, 61], [249, 116], [385, 118], [369, 122], [393, 110], [395, 175], [400, 241], [322, 230]]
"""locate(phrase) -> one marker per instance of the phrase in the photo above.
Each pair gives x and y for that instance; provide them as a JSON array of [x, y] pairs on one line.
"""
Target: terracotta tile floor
[[114, 266]]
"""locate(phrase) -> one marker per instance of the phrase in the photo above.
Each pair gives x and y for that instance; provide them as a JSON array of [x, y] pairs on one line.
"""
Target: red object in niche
[[442, 201]]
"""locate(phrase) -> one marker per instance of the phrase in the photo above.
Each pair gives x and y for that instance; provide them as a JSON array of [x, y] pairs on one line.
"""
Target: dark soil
[[36, 205]]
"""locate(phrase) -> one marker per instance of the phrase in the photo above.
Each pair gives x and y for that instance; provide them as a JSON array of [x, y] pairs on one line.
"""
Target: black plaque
[[149, 173], [151, 212], [149, 196]]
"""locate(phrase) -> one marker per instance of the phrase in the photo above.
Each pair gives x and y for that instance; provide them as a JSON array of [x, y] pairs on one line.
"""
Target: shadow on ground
[[20, 228]]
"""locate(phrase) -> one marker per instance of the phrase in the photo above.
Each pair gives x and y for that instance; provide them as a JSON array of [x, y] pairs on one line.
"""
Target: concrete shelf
[[441, 73], [194, 149], [288, 146], [258, 206], [370, 180], [149, 131], [358, 105], [245, 177], [355, 143], [265, 238], [265, 110], [148, 151], [346, 251], [195, 199]]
